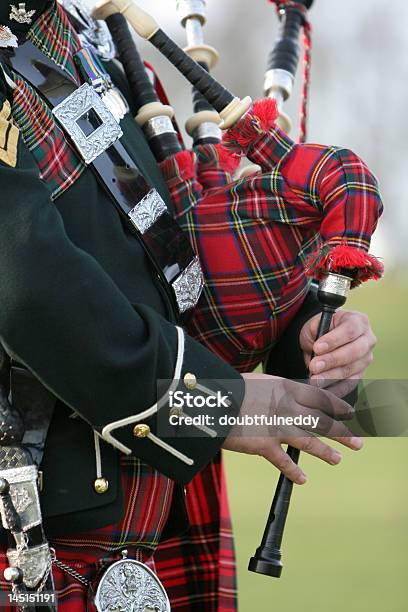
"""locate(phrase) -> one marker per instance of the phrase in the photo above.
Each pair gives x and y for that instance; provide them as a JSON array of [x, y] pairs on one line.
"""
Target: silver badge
[[79, 104], [20, 14], [130, 586], [7, 38]]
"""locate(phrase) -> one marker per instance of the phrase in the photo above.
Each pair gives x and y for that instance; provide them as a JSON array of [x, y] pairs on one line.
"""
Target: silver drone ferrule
[[207, 130], [336, 284], [194, 32], [158, 125], [192, 9], [278, 85]]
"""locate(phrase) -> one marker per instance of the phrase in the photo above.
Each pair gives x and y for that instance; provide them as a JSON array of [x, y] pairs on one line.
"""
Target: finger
[[302, 395], [315, 447], [340, 388], [350, 327], [344, 360], [326, 379], [277, 456], [324, 425], [354, 443], [309, 333]]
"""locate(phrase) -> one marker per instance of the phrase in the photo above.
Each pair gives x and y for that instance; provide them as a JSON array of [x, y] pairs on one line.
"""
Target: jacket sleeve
[[63, 318]]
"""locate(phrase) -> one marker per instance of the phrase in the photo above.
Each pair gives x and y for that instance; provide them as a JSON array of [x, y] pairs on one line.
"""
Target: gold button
[[101, 485], [141, 430], [190, 380]]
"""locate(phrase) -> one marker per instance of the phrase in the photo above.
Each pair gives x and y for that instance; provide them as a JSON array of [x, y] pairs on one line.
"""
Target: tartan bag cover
[[261, 238]]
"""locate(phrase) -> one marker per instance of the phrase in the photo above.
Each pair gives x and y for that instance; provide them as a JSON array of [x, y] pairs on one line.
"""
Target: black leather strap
[[165, 244]]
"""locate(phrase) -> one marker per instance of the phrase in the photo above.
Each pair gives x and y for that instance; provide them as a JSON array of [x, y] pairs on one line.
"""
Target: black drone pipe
[[154, 117]]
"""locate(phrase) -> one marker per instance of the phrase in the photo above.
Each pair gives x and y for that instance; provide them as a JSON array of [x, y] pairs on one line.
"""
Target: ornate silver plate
[[147, 211], [34, 562], [188, 286], [130, 586], [79, 104], [24, 493]]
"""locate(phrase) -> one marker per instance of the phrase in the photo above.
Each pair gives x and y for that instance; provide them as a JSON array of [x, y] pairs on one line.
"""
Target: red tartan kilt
[[197, 569]]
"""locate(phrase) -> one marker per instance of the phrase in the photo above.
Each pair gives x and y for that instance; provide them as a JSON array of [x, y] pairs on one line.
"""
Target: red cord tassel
[[342, 257], [260, 119], [181, 164]]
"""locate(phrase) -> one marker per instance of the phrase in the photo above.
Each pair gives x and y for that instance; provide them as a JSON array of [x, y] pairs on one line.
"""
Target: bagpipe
[[309, 212]]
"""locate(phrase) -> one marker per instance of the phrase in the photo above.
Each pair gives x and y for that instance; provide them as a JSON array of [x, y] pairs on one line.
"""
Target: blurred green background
[[346, 539]]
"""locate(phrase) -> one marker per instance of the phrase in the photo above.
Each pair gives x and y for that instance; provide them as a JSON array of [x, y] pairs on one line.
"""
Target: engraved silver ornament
[[130, 586]]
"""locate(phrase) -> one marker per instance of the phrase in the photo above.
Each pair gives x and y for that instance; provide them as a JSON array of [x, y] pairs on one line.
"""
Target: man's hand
[[271, 395], [344, 352]]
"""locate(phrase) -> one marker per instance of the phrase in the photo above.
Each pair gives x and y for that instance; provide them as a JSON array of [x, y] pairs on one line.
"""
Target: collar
[[54, 36]]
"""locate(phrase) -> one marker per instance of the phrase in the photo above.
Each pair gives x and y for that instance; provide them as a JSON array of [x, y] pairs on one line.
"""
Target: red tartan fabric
[[254, 235], [198, 568]]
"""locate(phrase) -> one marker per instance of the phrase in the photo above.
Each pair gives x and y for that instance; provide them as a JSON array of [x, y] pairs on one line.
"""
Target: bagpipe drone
[[309, 212]]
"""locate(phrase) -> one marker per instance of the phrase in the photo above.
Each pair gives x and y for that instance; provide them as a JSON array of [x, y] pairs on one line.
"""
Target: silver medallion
[[20, 14], [7, 38], [130, 586], [80, 104]]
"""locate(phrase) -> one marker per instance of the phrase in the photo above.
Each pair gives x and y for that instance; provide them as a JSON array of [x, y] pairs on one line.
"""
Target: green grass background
[[346, 539]]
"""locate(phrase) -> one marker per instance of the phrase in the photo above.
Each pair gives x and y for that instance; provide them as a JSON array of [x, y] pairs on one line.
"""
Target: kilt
[[197, 568]]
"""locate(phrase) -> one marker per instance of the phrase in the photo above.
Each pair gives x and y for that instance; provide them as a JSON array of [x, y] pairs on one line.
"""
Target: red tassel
[[227, 160], [340, 257], [260, 119], [266, 111], [181, 164]]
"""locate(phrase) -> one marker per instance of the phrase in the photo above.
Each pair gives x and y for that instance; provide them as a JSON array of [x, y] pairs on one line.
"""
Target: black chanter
[[282, 66]]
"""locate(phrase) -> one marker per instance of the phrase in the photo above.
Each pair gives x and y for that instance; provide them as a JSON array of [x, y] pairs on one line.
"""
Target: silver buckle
[[188, 286], [129, 585], [73, 108]]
